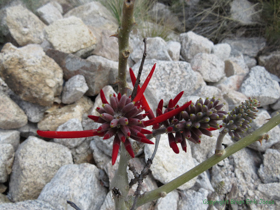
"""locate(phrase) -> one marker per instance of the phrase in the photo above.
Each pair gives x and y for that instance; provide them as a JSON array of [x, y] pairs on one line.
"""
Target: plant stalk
[[174, 184]]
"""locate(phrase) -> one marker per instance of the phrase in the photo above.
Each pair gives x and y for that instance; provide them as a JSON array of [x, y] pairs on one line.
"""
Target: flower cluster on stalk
[[240, 117], [122, 119]]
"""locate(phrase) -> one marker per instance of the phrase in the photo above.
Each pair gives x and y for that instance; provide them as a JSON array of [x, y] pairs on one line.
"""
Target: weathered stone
[[233, 82], [74, 89], [82, 153], [10, 137], [269, 170], [6, 161], [209, 66], [50, 12], [11, 116], [36, 162], [233, 98], [174, 49], [4, 199], [192, 44], [169, 79], [271, 62], [69, 35], [71, 125], [193, 200], [106, 45], [32, 75], [244, 12], [4, 87], [94, 14], [77, 183], [169, 202], [163, 164], [100, 158], [274, 133], [30, 129], [247, 46], [232, 68], [157, 50], [98, 73], [61, 115], [34, 112], [30, 204], [272, 190], [222, 51], [261, 86], [276, 105], [23, 25]]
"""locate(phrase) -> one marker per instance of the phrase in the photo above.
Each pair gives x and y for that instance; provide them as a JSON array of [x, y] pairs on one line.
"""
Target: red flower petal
[[167, 115], [146, 141], [172, 143], [177, 98], [142, 90], [129, 148], [67, 134], [116, 146], [103, 98]]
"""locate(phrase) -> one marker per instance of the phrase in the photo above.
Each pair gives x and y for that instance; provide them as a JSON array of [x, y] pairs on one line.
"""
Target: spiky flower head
[[240, 117], [197, 119]]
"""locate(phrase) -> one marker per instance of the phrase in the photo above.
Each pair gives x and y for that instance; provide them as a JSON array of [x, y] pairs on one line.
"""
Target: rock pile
[[53, 64]]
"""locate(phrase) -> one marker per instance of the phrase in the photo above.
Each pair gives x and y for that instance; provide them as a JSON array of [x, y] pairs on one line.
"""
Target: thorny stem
[[120, 180], [139, 72], [123, 38], [174, 184], [144, 173]]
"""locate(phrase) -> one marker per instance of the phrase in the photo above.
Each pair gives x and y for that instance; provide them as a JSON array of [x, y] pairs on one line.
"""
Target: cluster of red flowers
[[123, 118]]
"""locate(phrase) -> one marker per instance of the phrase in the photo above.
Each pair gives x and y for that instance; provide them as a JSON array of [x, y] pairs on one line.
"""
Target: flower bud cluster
[[197, 119], [240, 117]]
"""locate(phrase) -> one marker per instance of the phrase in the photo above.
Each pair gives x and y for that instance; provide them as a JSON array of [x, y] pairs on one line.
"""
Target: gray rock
[[232, 68], [243, 12], [69, 35], [50, 12], [209, 66], [109, 203], [96, 77], [10, 137], [191, 199], [77, 183], [83, 152], [58, 115], [34, 112], [71, 125], [271, 190], [32, 75], [169, 79], [276, 105], [3, 198], [222, 51], [274, 133], [192, 44], [94, 14], [30, 129], [11, 116], [174, 49], [233, 82], [261, 86], [168, 165], [169, 202], [250, 62], [233, 98], [6, 161], [269, 170], [247, 46], [4, 88], [30, 204], [157, 49], [23, 25], [36, 162], [74, 89], [99, 157], [271, 62]]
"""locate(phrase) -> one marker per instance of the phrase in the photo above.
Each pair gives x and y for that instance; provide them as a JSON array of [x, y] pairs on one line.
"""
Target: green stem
[[120, 181], [123, 37], [174, 184]]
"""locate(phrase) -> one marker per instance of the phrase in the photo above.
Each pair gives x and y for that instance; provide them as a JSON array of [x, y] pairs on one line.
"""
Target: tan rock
[[24, 26], [59, 116], [69, 35], [32, 75], [11, 116]]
